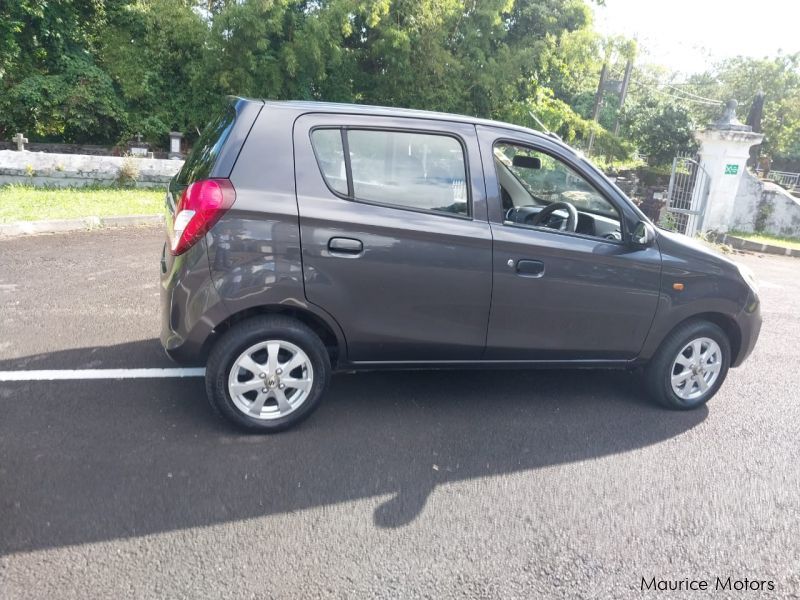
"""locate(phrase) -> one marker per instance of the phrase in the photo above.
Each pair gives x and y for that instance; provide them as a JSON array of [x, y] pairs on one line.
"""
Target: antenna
[[544, 127]]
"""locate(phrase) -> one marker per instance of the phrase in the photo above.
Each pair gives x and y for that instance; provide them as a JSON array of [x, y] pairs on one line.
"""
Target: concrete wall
[[765, 206], [58, 148], [40, 169]]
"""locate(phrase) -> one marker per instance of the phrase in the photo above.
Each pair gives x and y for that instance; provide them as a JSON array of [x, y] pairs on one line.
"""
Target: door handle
[[340, 245], [530, 268]]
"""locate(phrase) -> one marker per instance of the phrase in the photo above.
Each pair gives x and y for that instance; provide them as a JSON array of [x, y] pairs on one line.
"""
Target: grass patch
[[28, 203], [772, 240], [710, 241]]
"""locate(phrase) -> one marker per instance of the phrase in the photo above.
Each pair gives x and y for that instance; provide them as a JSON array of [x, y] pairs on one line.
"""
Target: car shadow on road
[[87, 461]]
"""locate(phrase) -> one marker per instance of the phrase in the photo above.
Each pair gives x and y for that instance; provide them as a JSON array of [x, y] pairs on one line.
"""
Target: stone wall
[[65, 148], [765, 207], [61, 170], [93, 150]]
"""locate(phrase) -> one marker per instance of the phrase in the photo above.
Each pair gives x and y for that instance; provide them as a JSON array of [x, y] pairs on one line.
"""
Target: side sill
[[486, 364]]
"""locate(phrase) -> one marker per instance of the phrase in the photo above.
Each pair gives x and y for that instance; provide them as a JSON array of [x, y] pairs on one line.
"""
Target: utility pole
[[598, 97], [598, 100], [623, 93]]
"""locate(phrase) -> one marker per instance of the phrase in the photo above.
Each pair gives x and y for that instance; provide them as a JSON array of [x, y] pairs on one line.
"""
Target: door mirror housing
[[643, 234]]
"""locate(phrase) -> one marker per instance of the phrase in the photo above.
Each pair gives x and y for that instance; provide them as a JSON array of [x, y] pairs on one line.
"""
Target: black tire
[[252, 331], [658, 372]]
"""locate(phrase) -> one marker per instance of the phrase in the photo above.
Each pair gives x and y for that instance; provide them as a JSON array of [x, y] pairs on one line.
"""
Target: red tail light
[[200, 206]]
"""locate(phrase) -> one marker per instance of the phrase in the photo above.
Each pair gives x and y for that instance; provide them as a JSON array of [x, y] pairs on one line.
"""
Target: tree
[[152, 65], [51, 85], [78, 104], [741, 78], [154, 52], [660, 128]]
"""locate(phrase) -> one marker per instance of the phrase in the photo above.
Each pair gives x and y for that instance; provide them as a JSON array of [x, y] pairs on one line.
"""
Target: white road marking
[[51, 375]]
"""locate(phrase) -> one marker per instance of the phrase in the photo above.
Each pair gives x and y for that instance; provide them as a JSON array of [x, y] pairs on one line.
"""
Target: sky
[[689, 35]]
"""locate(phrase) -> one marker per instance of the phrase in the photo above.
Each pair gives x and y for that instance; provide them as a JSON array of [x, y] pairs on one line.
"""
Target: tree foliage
[[51, 84], [103, 70], [741, 79], [655, 119]]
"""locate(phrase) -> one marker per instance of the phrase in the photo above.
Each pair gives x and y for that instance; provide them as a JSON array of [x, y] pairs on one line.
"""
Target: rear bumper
[[189, 304], [181, 350]]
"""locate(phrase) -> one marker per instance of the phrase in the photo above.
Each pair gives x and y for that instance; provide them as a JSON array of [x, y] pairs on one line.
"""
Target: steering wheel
[[572, 219]]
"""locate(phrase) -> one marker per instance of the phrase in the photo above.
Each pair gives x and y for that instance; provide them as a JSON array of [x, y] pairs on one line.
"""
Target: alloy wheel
[[270, 380], [696, 368]]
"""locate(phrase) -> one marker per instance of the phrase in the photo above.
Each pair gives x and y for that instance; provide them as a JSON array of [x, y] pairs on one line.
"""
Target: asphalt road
[[505, 484]]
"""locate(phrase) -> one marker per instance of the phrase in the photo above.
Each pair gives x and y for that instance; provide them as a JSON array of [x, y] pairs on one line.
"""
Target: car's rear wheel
[[690, 366], [267, 373]]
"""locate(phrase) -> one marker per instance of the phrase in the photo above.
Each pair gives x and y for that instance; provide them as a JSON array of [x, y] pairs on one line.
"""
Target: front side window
[[540, 190], [418, 171]]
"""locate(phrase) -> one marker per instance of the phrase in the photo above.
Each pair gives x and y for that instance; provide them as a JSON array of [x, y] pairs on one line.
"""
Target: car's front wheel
[[267, 373], [690, 366]]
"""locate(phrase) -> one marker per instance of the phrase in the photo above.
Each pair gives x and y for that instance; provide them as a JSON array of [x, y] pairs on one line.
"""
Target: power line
[[697, 99], [693, 95]]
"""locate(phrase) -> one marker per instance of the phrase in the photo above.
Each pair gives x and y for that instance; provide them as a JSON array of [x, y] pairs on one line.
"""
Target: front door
[[567, 285], [395, 240]]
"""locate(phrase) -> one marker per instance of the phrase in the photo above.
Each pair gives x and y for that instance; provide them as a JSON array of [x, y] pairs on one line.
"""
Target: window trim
[[348, 169], [576, 169], [349, 172], [319, 163]]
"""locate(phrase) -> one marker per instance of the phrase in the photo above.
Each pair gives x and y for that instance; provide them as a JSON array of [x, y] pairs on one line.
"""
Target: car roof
[[387, 111]]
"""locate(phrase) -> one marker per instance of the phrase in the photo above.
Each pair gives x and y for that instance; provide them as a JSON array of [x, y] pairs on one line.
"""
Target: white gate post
[[724, 150]]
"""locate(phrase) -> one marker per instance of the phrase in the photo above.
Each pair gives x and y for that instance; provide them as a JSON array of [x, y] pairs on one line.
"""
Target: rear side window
[[417, 171], [201, 160]]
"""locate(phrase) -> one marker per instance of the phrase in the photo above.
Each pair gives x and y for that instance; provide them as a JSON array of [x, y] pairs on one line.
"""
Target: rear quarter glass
[[201, 160], [216, 150]]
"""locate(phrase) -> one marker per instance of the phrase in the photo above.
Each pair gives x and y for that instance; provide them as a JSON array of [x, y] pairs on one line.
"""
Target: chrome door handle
[[340, 245]]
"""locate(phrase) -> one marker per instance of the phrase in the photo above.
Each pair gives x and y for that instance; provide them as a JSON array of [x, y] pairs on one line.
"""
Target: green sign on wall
[[731, 169]]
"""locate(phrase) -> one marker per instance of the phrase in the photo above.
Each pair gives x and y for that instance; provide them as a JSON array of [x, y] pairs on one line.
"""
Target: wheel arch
[[721, 320], [329, 333]]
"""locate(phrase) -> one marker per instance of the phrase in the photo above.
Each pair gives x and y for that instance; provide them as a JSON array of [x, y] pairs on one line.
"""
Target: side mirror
[[643, 234]]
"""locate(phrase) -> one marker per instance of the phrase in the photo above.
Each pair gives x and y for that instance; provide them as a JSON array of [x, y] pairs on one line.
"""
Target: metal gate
[[687, 195]]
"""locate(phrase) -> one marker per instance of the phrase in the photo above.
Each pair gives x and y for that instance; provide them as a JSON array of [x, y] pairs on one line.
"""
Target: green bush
[[128, 173], [77, 105]]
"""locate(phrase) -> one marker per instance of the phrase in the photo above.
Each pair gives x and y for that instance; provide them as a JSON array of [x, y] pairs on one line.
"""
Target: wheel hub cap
[[270, 379], [696, 368]]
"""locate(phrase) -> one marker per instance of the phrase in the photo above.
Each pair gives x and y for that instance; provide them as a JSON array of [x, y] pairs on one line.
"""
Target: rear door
[[395, 239]]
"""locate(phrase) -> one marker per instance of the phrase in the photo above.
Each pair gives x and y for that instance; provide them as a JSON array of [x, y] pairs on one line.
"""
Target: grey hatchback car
[[306, 238]]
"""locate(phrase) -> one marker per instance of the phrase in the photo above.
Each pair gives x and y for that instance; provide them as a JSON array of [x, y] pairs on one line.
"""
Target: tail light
[[200, 206]]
